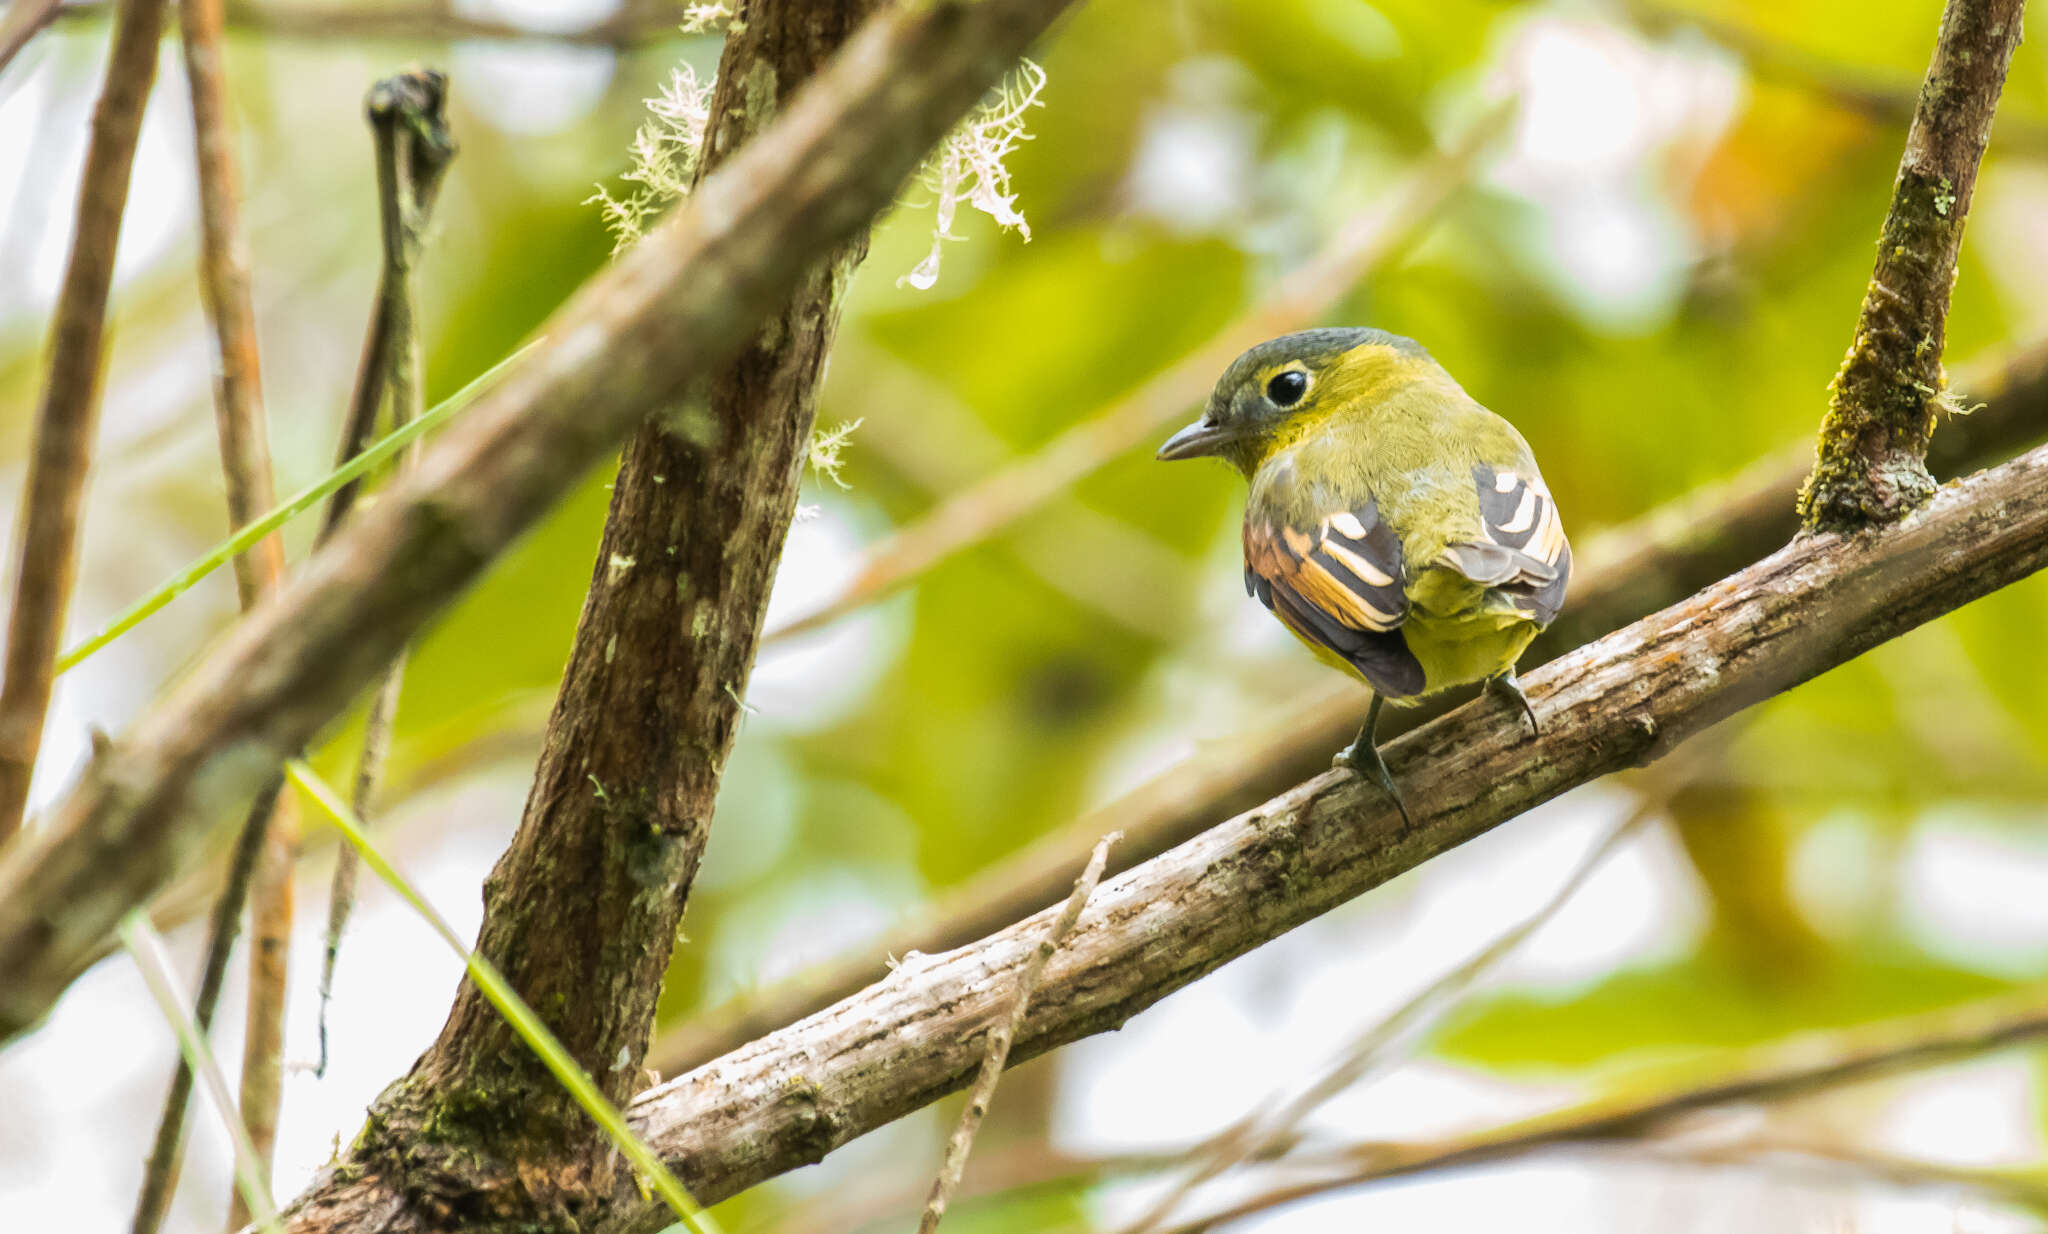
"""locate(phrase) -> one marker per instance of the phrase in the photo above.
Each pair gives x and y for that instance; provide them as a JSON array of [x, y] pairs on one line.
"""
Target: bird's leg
[[1364, 757], [1510, 690]]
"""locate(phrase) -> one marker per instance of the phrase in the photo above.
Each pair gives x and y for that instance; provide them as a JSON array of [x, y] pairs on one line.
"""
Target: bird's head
[[1281, 388]]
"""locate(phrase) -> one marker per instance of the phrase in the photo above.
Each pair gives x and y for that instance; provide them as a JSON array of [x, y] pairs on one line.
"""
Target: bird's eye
[[1287, 388]]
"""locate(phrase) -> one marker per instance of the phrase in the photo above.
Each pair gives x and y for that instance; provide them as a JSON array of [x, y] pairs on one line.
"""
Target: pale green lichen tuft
[[664, 158], [968, 168], [704, 18], [828, 452]]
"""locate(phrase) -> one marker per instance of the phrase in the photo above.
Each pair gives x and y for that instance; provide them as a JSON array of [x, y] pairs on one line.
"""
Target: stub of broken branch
[[1872, 465]]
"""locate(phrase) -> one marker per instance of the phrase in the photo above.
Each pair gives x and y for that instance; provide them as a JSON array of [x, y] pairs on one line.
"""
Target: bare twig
[[267, 839], [24, 18], [251, 491], [1771, 1073], [1001, 1034], [1625, 573], [1881, 407], [414, 148], [55, 492], [160, 1174], [1362, 245], [1370, 1052], [681, 302], [147, 948]]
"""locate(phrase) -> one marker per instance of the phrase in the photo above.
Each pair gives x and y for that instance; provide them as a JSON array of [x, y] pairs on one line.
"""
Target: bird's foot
[[1509, 690], [1363, 758]]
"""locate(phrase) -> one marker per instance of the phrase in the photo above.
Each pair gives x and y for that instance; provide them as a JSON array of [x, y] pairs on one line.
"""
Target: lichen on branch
[[1882, 403]]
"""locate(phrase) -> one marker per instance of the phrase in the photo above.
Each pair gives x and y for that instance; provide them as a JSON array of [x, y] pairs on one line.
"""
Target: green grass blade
[[147, 948], [249, 536], [520, 1016]]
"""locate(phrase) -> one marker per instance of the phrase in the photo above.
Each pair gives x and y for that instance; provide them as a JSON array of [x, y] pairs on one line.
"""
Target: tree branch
[[1881, 405], [581, 913], [791, 1097], [680, 303], [1653, 561], [54, 497]]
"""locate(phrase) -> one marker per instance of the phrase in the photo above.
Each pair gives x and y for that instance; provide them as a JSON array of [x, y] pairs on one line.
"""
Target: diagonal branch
[[791, 1097], [682, 302], [1627, 572], [53, 499], [1881, 405]]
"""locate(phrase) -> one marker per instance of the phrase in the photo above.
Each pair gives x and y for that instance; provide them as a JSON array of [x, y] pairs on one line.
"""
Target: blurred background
[[1653, 271]]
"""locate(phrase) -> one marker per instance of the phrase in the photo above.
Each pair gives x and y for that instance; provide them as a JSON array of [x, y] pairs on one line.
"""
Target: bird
[[1393, 524]]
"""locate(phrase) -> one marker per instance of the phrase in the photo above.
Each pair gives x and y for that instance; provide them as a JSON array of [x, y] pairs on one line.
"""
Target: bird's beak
[[1197, 440]]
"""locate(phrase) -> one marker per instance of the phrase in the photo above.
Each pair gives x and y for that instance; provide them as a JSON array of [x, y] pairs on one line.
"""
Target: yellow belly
[[1455, 630], [1460, 631]]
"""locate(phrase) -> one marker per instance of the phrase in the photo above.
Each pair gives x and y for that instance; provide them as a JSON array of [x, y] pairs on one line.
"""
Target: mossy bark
[[1872, 465], [582, 911]]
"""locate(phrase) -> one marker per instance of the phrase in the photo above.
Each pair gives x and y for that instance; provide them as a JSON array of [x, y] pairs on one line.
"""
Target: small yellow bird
[[1397, 527]]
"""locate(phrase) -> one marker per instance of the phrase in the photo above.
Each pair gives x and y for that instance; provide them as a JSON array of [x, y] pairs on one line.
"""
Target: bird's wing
[[1523, 553], [1338, 582]]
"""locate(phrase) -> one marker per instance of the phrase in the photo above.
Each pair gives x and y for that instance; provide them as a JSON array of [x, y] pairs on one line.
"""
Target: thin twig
[[251, 491], [24, 18], [1002, 1034], [1872, 465], [68, 416], [1782, 1070], [1364, 243], [147, 948], [160, 1175], [1371, 1051], [414, 148]]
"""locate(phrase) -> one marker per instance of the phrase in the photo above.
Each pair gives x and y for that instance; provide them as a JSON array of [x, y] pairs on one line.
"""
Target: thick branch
[[792, 1097], [1881, 405], [1656, 560], [53, 499], [581, 912], [682, 302]]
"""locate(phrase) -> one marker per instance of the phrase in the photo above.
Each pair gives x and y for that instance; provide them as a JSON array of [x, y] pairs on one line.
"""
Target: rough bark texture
[[1881, 405], [581, 913], [790, 1098], [1656, 560], [54, 497], [681, 303]]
